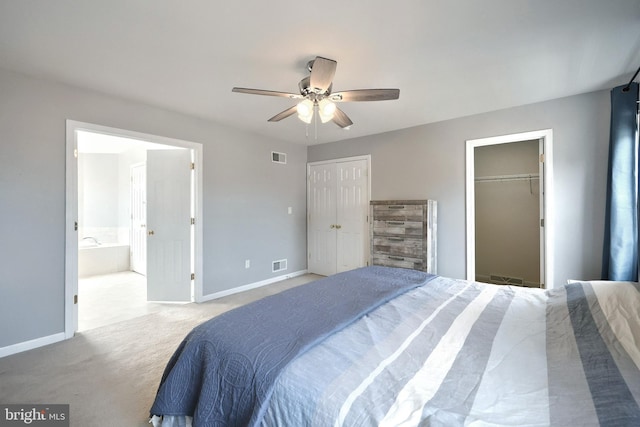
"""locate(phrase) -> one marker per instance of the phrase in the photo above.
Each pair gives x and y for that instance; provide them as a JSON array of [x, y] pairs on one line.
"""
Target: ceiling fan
[[316, 96]]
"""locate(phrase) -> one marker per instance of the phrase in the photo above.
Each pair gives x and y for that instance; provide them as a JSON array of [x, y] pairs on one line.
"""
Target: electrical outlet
[[290, 210], [247, 263]]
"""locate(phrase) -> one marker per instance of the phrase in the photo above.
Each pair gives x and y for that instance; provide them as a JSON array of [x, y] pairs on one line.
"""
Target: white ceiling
[[448, 58]]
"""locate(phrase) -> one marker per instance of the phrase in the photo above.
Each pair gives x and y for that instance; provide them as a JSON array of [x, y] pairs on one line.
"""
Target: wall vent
[[278, 157], [506, 280], [279, 265]]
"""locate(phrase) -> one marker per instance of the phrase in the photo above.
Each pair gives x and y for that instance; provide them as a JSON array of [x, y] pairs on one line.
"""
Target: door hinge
[[193, 276], [542, 158], [75, 299], [193, 221], [75, 153], [541, 222], [75, 225], [193, 166]]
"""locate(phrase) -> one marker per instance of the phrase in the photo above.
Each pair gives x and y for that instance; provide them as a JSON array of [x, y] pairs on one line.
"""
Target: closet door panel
[[322, 219], [338, 208], [351, 215]]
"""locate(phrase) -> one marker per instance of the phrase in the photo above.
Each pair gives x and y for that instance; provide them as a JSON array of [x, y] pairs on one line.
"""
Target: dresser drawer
[[402, 246], [399, 227], [398, 261], [399, 212]]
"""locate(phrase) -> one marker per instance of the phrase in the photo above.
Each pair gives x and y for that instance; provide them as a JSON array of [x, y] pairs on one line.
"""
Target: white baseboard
[[39, 342], [250, 286], [29, 345]]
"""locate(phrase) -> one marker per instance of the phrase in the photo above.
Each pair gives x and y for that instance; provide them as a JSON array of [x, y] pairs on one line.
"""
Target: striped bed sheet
[[460, 353]]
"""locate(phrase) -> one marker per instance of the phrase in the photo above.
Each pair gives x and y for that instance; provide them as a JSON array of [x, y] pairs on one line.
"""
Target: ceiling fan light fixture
[[326, 110], [305, 110]]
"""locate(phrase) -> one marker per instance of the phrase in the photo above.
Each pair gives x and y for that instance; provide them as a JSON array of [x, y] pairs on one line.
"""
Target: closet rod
[[515, 177]]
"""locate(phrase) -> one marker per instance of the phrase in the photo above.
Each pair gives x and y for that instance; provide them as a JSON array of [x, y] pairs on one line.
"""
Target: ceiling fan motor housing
[[306, 89]]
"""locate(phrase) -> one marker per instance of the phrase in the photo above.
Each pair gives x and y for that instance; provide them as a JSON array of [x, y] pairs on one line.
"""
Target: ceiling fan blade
[[284, 114], [266, 92], [365, 95], [322, 73], [341, 119]]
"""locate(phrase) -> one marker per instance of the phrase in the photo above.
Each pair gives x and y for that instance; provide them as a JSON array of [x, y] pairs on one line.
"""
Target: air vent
[[506, 280], [278, 157], [279, 265]]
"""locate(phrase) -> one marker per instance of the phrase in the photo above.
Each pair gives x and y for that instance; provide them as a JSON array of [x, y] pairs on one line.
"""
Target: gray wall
[[245, 197], [429, 162]]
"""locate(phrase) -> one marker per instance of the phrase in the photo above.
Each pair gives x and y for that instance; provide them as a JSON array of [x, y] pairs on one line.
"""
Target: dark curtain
[[620, 255]]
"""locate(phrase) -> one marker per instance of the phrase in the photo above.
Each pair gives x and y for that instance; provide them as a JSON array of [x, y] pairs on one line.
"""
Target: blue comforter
[[223, 372]]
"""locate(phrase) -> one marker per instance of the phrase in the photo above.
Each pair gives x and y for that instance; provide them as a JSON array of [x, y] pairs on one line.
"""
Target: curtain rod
[[626, 88]]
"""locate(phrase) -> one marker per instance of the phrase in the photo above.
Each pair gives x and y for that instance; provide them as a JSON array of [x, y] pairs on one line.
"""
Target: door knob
[[338, 226], [151, 232], [332, 226]]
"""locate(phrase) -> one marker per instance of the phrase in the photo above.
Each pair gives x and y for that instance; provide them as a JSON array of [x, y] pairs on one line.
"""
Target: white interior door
[[322, 219], [139, 218], [169, 225], [351, 219], [338, 206]]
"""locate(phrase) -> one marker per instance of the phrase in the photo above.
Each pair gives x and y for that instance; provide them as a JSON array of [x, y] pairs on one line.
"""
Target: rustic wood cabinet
[[403, 234]]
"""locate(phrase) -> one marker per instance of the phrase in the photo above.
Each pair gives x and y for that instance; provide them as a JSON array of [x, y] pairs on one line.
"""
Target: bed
[[381, 346]]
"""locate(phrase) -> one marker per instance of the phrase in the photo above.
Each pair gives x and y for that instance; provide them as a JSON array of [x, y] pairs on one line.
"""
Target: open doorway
[[127, 247], [509, 184]]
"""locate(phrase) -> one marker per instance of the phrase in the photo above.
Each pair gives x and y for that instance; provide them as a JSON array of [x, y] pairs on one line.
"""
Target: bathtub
[[102, 258]]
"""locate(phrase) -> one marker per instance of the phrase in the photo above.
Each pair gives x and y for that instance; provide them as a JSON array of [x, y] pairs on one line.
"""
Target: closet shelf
[[514, 177]]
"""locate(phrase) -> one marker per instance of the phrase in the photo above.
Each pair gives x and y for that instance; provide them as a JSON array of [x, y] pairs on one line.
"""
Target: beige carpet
[[112, 372]]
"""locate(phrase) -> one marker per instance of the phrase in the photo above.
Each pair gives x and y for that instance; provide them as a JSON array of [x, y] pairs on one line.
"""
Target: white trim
[[250, 286], [340, 160], [71, 251], [546, 135], [71, 233], [31, 344]]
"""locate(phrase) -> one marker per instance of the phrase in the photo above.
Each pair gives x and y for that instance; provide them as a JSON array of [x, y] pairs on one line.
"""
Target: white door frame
[[367, 158], [138, 251], [547, 232], [71, 216]]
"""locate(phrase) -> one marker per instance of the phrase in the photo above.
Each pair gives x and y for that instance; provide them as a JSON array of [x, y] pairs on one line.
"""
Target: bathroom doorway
[[112, 282]]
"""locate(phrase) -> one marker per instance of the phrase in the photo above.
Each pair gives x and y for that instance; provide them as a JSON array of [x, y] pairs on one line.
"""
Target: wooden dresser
[[403, 234]]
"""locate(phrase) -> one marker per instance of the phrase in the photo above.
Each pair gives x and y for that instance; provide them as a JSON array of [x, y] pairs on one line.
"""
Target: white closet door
[[338, 205], [322, 219], [352, 208], [168, 225]]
